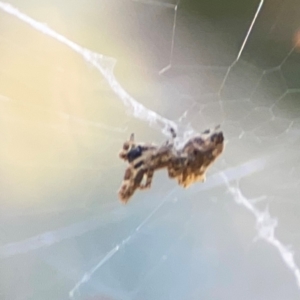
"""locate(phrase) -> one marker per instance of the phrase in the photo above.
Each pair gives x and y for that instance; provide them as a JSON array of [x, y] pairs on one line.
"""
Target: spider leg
[[186, 169], [182, 179], [170, 142], [176, 166], [201, 177], [131, 138], [187, 182], [123, 191], [149, 175], [192, 170], [129, 187], [127, 146], [192, 178]]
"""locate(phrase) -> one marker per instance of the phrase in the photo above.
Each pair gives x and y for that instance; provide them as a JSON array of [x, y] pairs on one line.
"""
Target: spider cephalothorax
[[187, 165]]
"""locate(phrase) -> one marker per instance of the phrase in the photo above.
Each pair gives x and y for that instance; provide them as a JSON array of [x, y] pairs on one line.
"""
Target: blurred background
[[69, 98]]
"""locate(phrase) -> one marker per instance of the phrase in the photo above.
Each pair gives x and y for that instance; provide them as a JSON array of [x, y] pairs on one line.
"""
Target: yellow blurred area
[[54, 105], [296, 40], [41, 85]]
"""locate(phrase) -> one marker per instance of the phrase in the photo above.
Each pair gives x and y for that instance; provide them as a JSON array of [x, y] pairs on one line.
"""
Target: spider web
[[66, 110]]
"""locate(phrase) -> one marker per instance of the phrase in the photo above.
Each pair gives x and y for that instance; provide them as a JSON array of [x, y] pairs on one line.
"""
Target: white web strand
[[102, 63], [87, 276], [51, 238], [243, 45], [156, 3], [265, 226], [172, 41]]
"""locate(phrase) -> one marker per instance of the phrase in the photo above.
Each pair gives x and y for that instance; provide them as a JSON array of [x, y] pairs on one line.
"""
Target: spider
[[186, 165]]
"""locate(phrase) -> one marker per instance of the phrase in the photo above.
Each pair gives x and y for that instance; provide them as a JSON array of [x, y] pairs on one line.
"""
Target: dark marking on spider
[[134, 153], [217, 138], [139, 164]]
